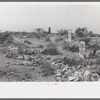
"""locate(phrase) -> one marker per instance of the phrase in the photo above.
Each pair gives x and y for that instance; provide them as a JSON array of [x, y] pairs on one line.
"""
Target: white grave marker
[[69, 36], [81, 49]]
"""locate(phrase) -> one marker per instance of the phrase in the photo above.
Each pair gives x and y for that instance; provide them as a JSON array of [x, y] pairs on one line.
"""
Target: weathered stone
[[53, 63], [71, 78], [81, 49], [98, 79], [25, 57], [66, 73], [20, 57], [76, 74], [27, 63], [58, 79], [7, 64], [87, 75], [94, 77], [64, 69], [58, 73], [79, 66], [64, 78], [69, 36]]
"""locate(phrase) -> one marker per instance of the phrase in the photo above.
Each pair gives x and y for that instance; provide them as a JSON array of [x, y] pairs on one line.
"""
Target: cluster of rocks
[[63, 72], [28, 55], [79, 73]]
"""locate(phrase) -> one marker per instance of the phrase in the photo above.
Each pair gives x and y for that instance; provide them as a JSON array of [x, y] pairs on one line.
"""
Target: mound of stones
[[65, 73]]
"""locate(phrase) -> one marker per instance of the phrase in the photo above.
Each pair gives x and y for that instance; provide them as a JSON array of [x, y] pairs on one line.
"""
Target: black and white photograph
[[49, 42]]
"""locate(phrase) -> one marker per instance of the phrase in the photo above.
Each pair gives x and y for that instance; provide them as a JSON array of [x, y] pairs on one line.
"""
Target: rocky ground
[[10, 72], [40, 60]]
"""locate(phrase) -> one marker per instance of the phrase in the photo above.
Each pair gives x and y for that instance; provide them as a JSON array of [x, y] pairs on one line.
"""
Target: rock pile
[[64, 72], [76, 73]]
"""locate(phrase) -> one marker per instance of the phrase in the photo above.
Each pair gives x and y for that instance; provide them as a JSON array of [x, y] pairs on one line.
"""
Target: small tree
[[94, 45], [5, 37], [63, 32], [39, 30], [81, 32]]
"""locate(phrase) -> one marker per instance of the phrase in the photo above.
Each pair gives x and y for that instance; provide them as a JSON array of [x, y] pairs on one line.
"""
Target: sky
[[27, 16]]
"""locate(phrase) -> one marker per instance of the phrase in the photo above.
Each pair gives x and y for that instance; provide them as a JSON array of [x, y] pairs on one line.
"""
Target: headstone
[[81, 49], [69, 36], [49, 30]]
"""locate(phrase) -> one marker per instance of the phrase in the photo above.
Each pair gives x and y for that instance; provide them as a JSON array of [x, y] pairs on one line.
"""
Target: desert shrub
[[94, 46], [59, 39], [4, 50], [51, 49], [30, 35], [86, 40], [71, 60], [63, 32], [23, 50], [81, 32], [47, 69], [26, 41], [11, 55], [40, 46], [6, 38], [97, 54], [40, 33], [47, 38], [65, 45], [72, 46], [95, 42]]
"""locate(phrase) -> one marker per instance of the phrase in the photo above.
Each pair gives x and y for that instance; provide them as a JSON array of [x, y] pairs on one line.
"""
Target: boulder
[[27, 63], [20, 57], [58, 79], [71, 78], [87, 75], [25, 57]]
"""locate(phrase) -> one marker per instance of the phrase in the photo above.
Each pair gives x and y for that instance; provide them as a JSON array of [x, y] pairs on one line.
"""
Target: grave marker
[[69, 36], [81, 49]]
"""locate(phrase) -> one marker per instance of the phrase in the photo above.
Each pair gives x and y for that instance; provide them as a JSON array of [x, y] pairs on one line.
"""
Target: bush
[[86, 40], [71, 60], [40, 35], [47, 38], [51, 49], [47, 69], [28, 42], [6, 38], [81, 32], [63, 32], [11, 55], [59, 39], [94, 43], [72, 46], [25, 50], [40, 46]]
